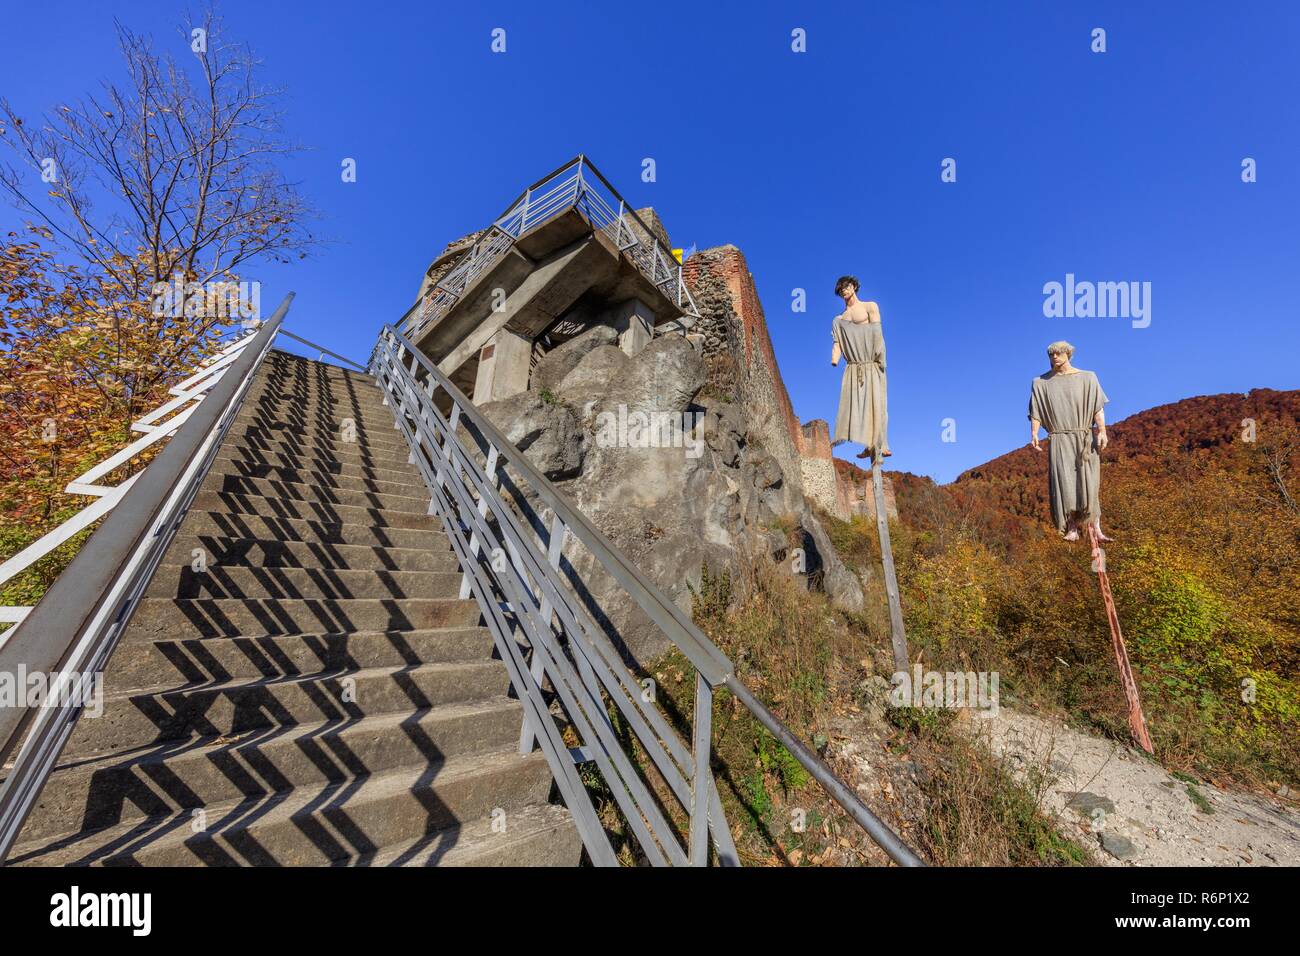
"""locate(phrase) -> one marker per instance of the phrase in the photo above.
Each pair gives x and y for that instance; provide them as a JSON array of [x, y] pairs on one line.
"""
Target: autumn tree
[[169, 177]]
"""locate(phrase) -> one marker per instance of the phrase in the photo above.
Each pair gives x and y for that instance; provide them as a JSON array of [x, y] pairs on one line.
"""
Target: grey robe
[[862, 417], [1066, 405]]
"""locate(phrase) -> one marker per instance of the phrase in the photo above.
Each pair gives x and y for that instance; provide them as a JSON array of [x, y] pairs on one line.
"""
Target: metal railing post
[[702, 776], [537, 669], [453, 422], [489, 472]]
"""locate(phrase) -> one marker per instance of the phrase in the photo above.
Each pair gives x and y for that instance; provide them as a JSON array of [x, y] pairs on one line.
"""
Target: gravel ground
[[1132, 808]]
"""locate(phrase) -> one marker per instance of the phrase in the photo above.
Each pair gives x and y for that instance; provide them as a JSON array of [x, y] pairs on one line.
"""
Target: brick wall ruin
[[743, 366], [734, 329]]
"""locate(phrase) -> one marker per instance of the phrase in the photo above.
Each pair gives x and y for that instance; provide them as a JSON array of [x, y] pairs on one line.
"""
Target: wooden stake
[[1137, 722], [902, 661]]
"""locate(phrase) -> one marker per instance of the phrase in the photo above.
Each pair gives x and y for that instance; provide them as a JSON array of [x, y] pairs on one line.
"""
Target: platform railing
[[579, 185], [508, 526]]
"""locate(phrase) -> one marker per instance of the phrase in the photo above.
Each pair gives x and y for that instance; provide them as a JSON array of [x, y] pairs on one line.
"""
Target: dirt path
[[1134, 810]]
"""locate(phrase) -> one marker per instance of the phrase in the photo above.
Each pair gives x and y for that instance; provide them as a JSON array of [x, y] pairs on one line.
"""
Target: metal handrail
[[463, 495], [73, 630], [527, 601], [565, 188], [322, 350]]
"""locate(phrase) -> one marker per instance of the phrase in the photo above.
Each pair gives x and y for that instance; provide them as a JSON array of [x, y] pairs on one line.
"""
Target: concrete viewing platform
[[566, 256]]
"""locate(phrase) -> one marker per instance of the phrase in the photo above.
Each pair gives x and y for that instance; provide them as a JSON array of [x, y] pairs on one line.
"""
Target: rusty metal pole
[[1137, 722], [902, 660]]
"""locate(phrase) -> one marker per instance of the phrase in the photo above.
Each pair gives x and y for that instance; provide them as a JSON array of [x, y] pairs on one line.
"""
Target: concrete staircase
[[302, 685]]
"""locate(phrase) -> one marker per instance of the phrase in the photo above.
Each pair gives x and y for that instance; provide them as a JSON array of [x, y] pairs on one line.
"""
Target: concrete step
[[352, 480], [285, 363], [312, 401], [403, 472], [294, 491], [317, 825], [163, 780], [307, 583], [182, 618], [221, 552], [240, 504], [363, 387], [140, 665], [259, 439], [278, 375], [540, 835], [225, 524], [314, 371], [316, 445], [367, 436], [291, 411], [316, 428], [134, 719]]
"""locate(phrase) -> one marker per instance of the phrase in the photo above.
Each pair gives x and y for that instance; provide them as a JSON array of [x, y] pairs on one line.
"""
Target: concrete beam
[[437, 339], [546, 292], [503, 367], [634, 321]]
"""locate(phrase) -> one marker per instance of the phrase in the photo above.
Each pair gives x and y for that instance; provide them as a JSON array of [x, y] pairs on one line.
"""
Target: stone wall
[[732, 324], [820, 479], [450, 254], [651, 218], [743, 367]]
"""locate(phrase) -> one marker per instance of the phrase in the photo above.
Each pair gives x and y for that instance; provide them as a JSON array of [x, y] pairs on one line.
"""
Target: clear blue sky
[[1117, 166]]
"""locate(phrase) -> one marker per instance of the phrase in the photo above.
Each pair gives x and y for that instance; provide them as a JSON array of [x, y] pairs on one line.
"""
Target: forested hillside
[[1201, 496]]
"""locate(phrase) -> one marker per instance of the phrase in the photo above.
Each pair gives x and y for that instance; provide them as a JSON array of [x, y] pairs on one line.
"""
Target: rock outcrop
[[679, 481], [685, 451]]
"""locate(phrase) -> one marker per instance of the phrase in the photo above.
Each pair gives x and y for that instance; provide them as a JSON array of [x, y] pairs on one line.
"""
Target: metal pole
[[554, 550], [1137, 722], [902, 660], [702, 775]]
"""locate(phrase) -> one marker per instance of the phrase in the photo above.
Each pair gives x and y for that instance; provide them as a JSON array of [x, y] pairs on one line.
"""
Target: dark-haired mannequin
[[863, 415]]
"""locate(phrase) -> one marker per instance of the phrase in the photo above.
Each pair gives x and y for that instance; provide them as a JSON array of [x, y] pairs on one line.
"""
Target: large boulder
[[824, 565], [724, 431], [591, 377], [559, 361], [546, 431], [671, 514], [665, 377], [713, 498]]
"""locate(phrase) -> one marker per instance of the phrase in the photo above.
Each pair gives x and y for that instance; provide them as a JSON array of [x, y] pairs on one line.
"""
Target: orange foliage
[[82, 358], [1205, 570]]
